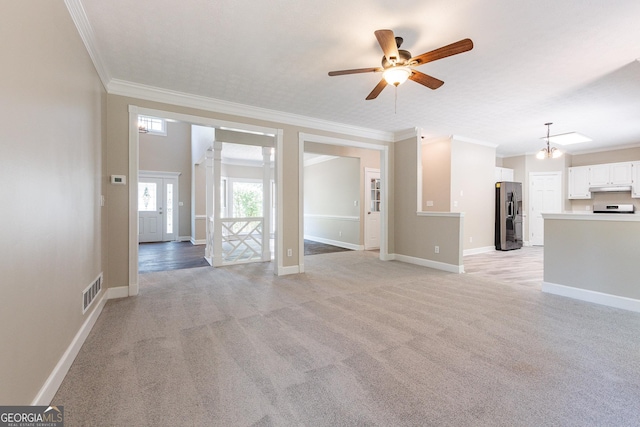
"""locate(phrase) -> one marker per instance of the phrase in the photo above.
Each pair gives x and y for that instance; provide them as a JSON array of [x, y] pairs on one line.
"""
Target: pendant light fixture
[[548, 152]]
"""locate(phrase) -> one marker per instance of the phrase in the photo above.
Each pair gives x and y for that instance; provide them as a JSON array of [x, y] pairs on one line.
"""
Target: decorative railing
[[241, 240]]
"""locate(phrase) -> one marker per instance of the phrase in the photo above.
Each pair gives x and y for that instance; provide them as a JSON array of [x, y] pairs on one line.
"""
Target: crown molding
[[407, 134], [150, 93], [83, 26], [602, 149]]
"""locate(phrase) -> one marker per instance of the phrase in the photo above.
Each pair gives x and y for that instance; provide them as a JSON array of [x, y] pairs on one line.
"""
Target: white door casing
[[545, 196], [372, 199]]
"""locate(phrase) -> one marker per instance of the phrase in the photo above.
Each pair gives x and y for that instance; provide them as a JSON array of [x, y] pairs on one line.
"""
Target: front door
[[157, 209], [545, 196], [372, 209]]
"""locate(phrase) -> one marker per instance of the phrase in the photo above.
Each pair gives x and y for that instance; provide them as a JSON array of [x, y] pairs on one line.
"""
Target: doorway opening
[[344, 226], [246, 213], [198, 165]]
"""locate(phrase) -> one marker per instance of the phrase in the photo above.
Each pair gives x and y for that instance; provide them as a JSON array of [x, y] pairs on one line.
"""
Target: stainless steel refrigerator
[[508, 215]]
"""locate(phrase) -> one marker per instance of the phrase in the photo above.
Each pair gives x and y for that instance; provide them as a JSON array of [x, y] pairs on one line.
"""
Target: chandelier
[[548, 152]]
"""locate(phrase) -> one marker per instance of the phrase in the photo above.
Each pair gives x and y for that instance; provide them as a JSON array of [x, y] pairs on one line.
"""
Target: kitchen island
[[593, 257]]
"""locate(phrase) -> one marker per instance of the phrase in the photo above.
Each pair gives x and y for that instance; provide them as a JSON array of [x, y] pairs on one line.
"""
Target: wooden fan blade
[[425, 80], [443, 52], [356, 71], [376, 90], [388, 44]]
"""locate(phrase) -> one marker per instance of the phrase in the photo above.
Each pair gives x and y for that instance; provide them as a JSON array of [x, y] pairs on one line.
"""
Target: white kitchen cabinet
[[635, 179], [620, 173], [579, 182], [503, 174], [610, 174], [599, 174]]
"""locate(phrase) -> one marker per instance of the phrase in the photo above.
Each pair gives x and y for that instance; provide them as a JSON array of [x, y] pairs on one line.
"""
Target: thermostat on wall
[[118, 179]]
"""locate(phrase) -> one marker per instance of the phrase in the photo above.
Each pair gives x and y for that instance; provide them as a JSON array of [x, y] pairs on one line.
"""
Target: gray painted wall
[[599, 256], [53, 127], [416, 236], [473, 190], [332, 193]]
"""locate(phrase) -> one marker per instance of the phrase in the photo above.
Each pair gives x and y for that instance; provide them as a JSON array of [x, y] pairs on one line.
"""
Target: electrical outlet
[[429, 203], [437, 249], [470, 239], [339, 233], [289, 252]]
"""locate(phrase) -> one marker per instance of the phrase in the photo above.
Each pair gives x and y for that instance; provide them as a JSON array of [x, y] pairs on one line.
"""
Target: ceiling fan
[[397, 64]]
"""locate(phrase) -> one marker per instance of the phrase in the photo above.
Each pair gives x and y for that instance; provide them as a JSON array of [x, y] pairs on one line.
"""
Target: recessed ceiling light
[[568, 138]]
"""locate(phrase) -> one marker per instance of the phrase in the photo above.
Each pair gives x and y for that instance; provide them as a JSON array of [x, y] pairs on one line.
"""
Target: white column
[[217, 224], [208, 251], [266, 203]]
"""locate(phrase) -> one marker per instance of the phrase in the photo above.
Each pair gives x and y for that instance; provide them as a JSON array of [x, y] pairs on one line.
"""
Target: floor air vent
[[89, 294]]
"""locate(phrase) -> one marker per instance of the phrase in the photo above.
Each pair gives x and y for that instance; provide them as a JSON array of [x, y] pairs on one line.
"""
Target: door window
[[169, 204], [147, 197], [375, 194]]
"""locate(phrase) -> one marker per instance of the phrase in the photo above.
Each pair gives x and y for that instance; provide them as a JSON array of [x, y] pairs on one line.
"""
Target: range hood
[[609, 188]]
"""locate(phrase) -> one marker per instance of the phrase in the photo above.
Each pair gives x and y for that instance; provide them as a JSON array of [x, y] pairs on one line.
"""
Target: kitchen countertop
[[590, 216]]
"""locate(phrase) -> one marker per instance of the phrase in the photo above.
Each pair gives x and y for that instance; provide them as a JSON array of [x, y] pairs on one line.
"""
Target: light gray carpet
[[354, 341]]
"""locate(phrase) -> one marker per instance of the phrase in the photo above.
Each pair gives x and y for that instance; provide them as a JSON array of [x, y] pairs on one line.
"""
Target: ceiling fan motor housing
[[405, 56]]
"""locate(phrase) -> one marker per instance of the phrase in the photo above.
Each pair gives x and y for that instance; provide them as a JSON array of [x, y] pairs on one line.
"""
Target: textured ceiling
[[570, 62]]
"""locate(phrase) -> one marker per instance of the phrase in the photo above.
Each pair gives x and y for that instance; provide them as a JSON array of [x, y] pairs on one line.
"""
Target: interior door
[[372, 209], [157, 209], [545, 196]]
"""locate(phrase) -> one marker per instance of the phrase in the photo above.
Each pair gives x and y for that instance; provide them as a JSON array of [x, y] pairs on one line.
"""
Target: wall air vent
[[90, 293]]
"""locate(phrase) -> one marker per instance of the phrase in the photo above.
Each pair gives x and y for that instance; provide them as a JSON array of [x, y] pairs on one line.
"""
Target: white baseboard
[[337, 243], [451, 268], [592, 296], [133, 290], [118, 292], [476, 251], [52, 384], [184, 238], [293, 269], [198, 241]]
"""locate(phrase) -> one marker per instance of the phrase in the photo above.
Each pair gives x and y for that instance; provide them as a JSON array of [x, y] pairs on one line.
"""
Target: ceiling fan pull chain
[[395, 101]]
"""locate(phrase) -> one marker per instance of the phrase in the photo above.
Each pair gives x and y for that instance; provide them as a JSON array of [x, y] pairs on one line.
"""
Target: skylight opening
[[568, 138]]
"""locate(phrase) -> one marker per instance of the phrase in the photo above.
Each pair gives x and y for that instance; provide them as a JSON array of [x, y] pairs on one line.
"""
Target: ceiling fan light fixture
[[396, 75]]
